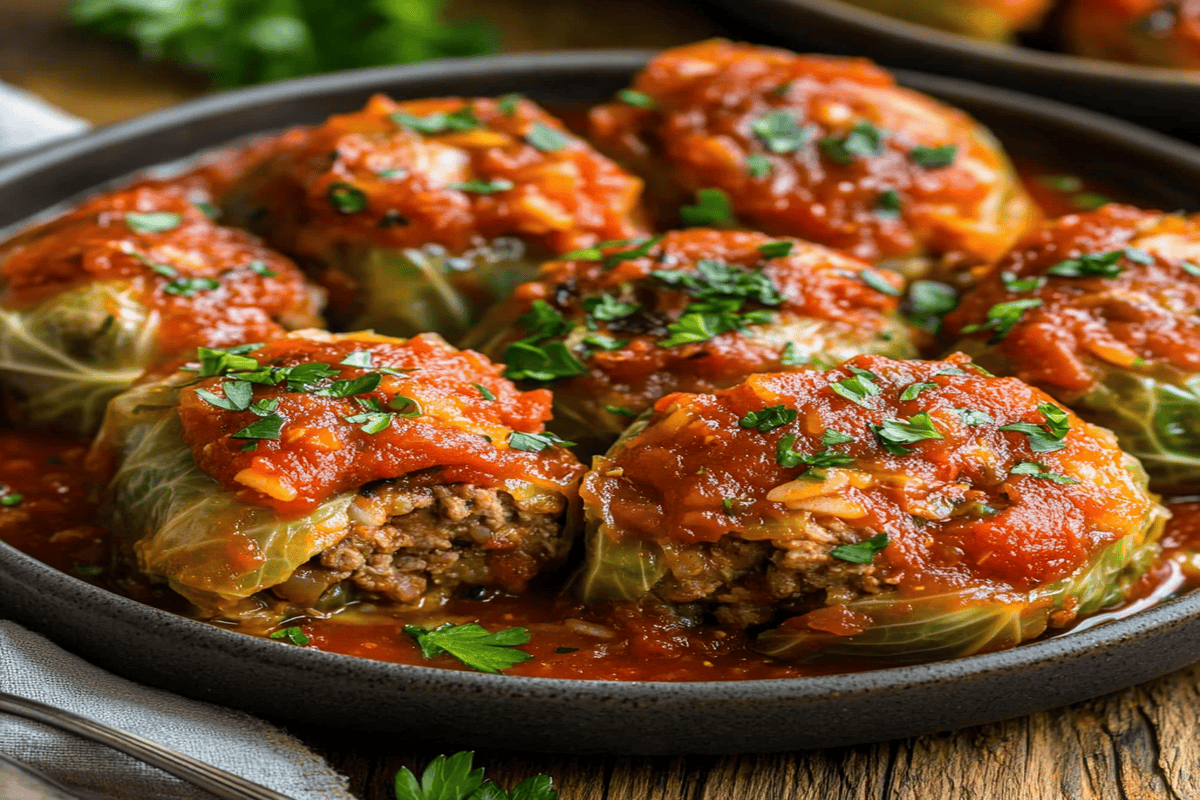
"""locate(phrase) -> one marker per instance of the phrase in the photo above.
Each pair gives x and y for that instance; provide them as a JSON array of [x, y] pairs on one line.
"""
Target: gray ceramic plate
[[1166, 99], [469, 709]]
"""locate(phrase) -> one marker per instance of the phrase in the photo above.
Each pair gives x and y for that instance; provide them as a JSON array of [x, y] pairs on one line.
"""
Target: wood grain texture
[[1140, 744]]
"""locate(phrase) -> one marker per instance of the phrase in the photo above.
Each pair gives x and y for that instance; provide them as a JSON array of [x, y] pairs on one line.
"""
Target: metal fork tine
[[220, 783]]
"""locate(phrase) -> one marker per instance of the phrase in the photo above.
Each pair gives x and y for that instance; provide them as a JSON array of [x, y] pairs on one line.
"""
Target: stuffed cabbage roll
[[900, 511], [417, 215], [614, 329], [131, 278], [994, 20], [318, 469], [823, 148], [1156, 33], [1099, 310]]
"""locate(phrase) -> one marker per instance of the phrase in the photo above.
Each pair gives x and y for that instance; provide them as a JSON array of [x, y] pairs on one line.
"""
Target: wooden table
[[1139, 744]]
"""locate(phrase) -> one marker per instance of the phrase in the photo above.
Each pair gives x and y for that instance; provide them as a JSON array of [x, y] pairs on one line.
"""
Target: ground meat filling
[[414, 545], [748, 583]]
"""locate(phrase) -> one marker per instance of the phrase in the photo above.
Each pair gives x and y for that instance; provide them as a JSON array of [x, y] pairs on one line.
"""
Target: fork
[[220, 783]]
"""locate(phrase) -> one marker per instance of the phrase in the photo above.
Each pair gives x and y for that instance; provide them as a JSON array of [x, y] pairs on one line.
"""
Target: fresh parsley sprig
[[452, 778], [1046, 438], [473, 645]]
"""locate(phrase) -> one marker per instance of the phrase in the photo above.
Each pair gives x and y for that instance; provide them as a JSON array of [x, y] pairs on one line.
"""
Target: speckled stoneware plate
[[464, 709], [1166, 99]]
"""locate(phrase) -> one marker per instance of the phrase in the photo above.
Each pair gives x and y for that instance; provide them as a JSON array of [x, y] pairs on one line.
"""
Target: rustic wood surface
[[1139, 744]]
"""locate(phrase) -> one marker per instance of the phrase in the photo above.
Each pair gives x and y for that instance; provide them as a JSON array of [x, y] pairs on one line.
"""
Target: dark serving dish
[[1166, 99], [465, 709]]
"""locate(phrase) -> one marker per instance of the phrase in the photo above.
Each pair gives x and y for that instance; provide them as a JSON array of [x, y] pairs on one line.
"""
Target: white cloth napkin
[[31, 666], [26, 121]]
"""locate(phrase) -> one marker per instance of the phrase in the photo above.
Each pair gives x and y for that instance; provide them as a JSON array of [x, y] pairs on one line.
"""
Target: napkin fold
[[26, 122], [31, 666]]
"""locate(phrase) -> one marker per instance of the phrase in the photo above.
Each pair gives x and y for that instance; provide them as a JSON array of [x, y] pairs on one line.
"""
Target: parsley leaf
[[928, 302], [878, 282], [914, 389], [453, 779], [861, 552], [893, 434], [347, 388], [612, 259], [1046, 438], [473, 645], [294, 634], [857, 389], [359, 358], [527, 360], [1091, 265], [974, 417], [715, 280], [785, 456], [1002, 317], [484, 392], [1034, 470], [712, 208], [1017, 285], [483, 187], [692, 328], [934, 157], [238, 395], [791, 356], [345, 198], [769, 418], [545, 138], [607, 308], [535, 442], [1090, 201], [758, 165], [152, 221], [1191, 269], [780, 249], [633, 97], [507, 104], [888, 204], [265, 428], [780, 131], [833, 436], [863, 141], [188, 287], [260, 268], [458, 121]]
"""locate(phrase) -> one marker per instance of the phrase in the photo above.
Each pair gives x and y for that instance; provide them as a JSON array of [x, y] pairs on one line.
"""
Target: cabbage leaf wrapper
[[900, 628], [67, 357], [206, 544], [421, 289]]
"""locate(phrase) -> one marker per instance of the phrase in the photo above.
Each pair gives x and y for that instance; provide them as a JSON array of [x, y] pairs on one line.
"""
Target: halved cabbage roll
[[994, 20], [898, 511], [1099, 310], [318, 469], [90, 300], [616, 328], [824, 148], [417, 215]]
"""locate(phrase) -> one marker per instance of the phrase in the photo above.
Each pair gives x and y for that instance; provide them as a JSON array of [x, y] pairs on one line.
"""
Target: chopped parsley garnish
[[373, 419], [1046, 438], [715, 280], [1138, 256], [1034, 470], [359, 358], [758, 165], [934, 157], [293, 634], [483, 187], [595, 253], [858, 388], [238, 396], [152, 221], [974, 417], [633, 97], [507, 104], [785, 456], [1002, 317], [453, 779], [209, 210], [1061, 183], [267, 427], [928, 302], [396, 172], [528, 360], [692, 328], [218, 362], [888, 204], [188, 287], [404, 406], [791, 356], [606, 307], [439, 122], [545, 138], [878, 282], [260, 268], [1092, 265], [621, 412], [780, 131], [535, 442], [542, 320], [604, 342], [82, 570], [861, 552], [893, 434], [1090, 201], [1191, 269], [712, 208], [1017, 285], [780, 249], [863, 141], [484, 392], [643, 248], [473, 645], [346, 199], [833, 436], [769, 418], [363, 384], [9, 498], [913, 390]]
